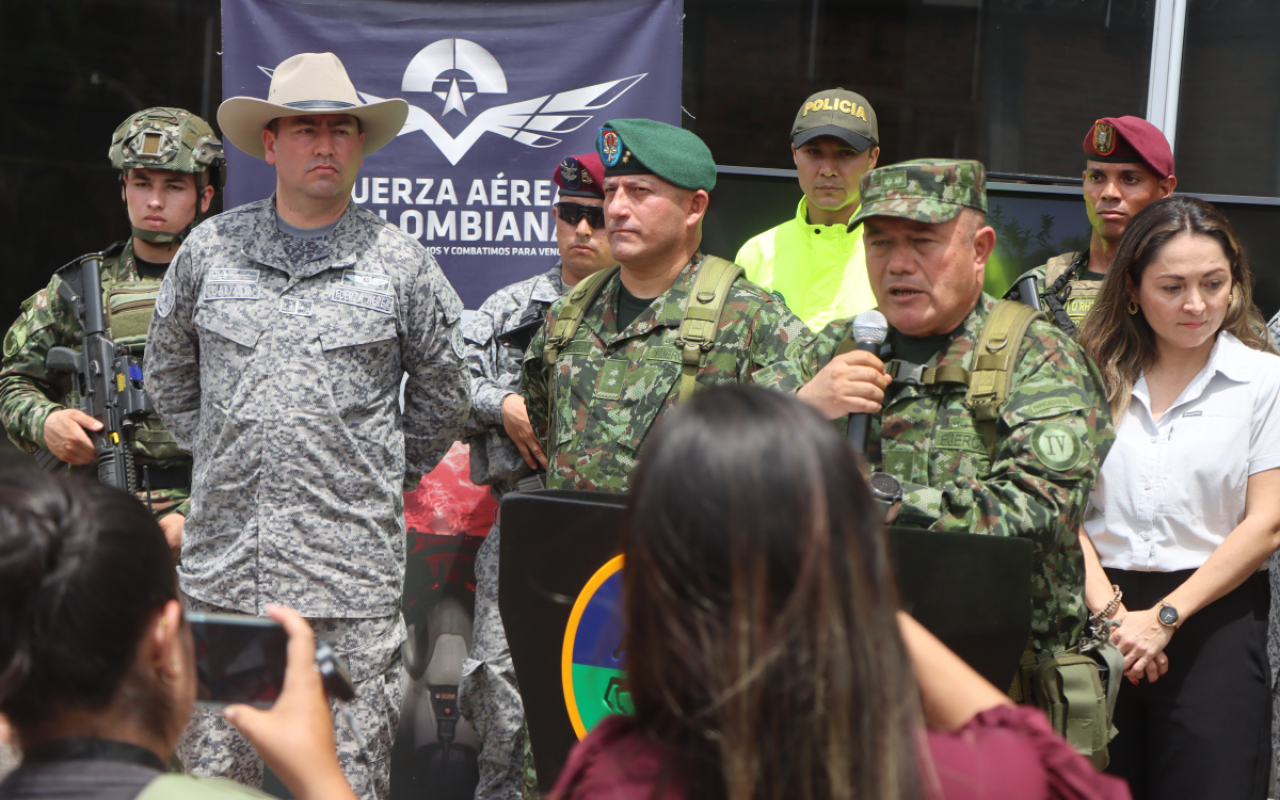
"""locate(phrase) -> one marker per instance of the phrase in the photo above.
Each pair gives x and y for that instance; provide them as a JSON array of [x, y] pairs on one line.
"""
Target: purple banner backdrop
[[498, 93]]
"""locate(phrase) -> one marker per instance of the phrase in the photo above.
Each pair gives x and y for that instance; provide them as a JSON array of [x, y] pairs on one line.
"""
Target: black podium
[[972, 592]]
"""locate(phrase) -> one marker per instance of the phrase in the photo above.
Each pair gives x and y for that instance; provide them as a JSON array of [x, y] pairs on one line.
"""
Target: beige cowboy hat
[[309, 83]]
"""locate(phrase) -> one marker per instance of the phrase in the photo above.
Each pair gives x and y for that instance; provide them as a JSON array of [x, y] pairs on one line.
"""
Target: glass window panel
[[1229, 99]]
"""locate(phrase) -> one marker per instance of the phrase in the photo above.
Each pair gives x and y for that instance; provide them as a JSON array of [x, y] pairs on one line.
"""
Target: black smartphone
[[239, 659]]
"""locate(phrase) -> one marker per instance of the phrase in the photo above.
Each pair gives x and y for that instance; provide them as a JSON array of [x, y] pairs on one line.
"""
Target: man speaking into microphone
[[990, 419]]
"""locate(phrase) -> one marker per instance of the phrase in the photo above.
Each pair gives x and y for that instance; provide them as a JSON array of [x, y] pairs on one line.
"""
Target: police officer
[[1027, 471], [1128, 166], [814, 260], [505, 450], [654, 329], [170, 164], [278, 345]]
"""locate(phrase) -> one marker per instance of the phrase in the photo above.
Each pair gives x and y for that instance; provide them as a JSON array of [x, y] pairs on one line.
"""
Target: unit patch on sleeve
[[1057, 446], [166, 298]]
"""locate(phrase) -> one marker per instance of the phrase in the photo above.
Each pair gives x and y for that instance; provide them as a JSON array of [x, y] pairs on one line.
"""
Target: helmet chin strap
[[164, 237]]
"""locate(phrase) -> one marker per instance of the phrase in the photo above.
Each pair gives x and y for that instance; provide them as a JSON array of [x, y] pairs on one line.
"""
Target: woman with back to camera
[[764, 653], [1186, 510], [97, 664]]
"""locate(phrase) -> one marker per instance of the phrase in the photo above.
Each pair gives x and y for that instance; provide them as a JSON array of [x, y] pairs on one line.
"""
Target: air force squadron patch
[[165, 300], [367, 281]]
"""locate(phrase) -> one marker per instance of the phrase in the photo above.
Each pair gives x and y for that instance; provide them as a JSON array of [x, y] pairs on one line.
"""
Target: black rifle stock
[[108, 380]]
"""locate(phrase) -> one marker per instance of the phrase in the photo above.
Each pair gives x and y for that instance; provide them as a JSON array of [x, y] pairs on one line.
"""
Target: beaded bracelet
[[1110, 608]]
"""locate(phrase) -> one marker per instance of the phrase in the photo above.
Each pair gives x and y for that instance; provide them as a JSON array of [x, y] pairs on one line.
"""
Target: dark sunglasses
[[572, 212]]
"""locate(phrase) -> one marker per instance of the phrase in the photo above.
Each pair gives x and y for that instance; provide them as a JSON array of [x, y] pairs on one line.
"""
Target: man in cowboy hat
[[280, 338]]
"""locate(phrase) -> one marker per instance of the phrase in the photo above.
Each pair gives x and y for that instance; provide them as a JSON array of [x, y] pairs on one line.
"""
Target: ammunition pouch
[[1076, 692]]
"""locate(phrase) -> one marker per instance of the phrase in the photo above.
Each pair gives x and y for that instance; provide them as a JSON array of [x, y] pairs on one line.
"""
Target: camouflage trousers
[[488, 697], [210, 747]]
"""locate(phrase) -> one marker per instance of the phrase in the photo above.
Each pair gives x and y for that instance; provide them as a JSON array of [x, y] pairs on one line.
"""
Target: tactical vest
[[128, 306], [698, 326], [1065, 294], [995, 356]]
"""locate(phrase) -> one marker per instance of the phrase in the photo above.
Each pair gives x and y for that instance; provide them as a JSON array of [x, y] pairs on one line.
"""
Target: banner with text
[[498, 94]]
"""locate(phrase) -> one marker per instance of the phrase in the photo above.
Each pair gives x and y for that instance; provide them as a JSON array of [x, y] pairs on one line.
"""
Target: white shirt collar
[[1228, 358]]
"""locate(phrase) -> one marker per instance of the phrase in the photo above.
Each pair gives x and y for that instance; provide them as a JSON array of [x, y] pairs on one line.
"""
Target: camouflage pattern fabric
[[593, 408], [926, 190], [488, 695], [1052, 434], [283, 381], [495, 373], [29, 392], [1076, 298], [212, 748], [168, 138]]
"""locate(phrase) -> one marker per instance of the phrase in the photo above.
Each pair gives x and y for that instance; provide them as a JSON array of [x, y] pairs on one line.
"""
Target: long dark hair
[[83, 568], [762, 645], [1123, 345]]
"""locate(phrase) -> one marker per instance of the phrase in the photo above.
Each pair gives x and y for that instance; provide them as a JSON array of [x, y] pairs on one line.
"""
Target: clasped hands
[[1142, 637]]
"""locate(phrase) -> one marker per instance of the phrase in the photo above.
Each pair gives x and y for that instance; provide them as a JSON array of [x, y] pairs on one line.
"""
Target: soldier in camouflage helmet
[[594, 395], [927, 245], [170, 165]]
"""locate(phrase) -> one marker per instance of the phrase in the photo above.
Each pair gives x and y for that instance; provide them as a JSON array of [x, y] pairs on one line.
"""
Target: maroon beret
[[581, 176], [1129, 140]]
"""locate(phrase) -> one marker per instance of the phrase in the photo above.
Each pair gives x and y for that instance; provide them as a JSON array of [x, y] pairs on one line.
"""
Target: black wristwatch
[[1168, 615], [887, 490]]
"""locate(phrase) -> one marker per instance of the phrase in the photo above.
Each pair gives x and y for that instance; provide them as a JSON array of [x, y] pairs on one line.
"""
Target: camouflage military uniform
[[593, 408], [29, 393], [279, 367], [488, 696], [1053, 432]]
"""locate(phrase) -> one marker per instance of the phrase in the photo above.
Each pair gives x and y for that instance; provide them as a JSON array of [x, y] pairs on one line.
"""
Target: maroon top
[[1003, 753]]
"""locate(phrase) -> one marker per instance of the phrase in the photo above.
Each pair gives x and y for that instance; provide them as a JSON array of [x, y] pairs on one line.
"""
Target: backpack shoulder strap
[[580, 299], [702, 318], [994, 360]]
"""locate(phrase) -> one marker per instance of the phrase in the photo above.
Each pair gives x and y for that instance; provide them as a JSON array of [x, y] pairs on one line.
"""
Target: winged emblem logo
[[455, 70]]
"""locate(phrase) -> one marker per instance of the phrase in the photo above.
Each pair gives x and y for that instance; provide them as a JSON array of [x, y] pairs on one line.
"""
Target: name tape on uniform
[[353, 297], [230, 291]]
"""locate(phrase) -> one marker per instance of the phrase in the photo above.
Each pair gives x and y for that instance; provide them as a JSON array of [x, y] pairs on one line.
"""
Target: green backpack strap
[[994, 359], [580, 299], [702, 318]]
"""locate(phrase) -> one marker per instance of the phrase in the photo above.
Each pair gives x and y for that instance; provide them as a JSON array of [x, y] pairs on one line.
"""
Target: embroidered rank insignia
[[1104, 138], [609, 145]]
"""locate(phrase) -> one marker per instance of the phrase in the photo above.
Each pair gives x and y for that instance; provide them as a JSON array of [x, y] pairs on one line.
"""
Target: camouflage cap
[[168, 138], [926, 190]]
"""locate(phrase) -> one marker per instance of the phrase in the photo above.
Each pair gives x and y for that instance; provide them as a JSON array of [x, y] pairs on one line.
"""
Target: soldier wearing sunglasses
[[504, 451]]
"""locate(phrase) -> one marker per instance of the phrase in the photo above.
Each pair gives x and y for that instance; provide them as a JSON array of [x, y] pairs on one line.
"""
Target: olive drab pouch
[[1067, 687], [129, 306]]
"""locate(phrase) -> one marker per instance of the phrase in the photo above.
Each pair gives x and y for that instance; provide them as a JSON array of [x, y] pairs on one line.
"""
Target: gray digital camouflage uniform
[[279, 369], [488, 696]]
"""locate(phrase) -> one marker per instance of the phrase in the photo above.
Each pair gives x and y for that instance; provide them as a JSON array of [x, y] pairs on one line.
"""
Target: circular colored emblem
[[609, 146], [591, 661], [1057, 446]]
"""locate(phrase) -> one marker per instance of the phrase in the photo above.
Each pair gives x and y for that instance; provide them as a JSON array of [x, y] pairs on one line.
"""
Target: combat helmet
[[172, 139]]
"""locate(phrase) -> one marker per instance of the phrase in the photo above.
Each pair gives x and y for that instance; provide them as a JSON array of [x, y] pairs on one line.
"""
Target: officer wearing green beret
[[628, 343], [991, 420], [170, 163]]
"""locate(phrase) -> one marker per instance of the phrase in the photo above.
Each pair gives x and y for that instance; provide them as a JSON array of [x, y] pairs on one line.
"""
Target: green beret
[[649, 147], [931, 190]]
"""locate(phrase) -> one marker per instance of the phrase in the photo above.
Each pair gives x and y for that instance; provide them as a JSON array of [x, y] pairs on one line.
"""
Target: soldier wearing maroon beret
[[1128, 166], [504, 453]]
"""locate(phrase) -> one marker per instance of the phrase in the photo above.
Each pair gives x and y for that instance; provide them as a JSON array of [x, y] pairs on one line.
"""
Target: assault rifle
[[107, 379]]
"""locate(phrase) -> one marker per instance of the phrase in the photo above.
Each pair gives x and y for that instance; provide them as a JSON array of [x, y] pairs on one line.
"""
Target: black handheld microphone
[[870, 329]]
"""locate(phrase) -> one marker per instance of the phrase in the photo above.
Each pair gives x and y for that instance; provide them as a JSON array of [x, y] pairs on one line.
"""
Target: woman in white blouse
[[1186, 510]]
